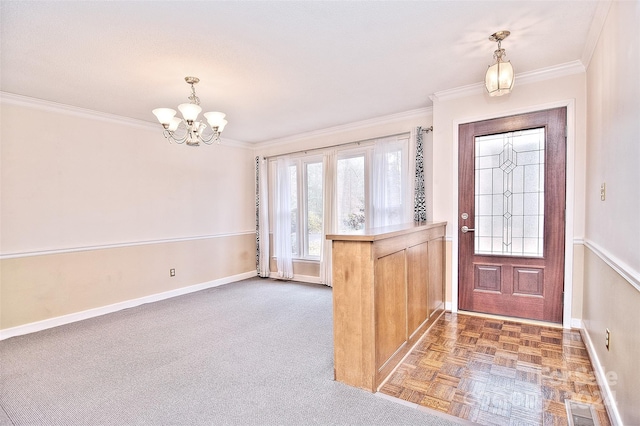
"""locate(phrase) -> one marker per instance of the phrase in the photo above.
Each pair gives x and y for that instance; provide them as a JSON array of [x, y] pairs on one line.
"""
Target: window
[[372, 189], [306, 207], [313, 215], [351, 193], [373, 185]]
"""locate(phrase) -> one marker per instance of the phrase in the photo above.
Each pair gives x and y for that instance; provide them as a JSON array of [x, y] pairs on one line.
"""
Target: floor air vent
[[580, 414]]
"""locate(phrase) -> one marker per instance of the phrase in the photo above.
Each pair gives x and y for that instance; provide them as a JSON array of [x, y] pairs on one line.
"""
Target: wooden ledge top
[[375, 234]]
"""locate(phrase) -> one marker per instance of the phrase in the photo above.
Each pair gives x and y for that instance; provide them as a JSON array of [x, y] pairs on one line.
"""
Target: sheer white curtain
[[329, 215], [282, 222], [389, 183], [262, 217]]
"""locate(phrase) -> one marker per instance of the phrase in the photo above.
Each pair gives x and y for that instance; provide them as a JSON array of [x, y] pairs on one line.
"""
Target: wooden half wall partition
[[388, 288]]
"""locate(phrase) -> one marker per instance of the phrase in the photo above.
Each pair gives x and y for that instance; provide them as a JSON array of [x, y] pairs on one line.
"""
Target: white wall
[[614, 144], [612, 234], [95, 207], [73, 181]]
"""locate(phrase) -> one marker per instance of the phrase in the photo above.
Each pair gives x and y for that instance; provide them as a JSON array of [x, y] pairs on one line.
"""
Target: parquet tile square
[[495, 372], [435, 403]]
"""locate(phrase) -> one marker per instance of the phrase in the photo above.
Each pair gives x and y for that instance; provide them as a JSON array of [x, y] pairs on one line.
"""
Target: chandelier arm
[[213, 137], [171, 137]]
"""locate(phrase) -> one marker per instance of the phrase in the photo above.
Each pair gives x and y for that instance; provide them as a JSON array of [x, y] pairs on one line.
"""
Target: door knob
[[466, 229]]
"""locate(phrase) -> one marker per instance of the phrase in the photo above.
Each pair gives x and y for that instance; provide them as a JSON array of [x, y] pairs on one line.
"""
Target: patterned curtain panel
[[419, 200], [262, 219]]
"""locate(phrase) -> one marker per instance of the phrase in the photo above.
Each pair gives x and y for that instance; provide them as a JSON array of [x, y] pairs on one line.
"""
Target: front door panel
[[511, 215]]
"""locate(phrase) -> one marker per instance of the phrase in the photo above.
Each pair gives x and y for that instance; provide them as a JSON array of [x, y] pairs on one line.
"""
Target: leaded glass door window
[[509, 193]]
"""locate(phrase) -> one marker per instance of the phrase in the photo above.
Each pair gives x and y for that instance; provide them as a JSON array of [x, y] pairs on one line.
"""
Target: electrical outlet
[[603, 191], [172, 272], [607, 338]]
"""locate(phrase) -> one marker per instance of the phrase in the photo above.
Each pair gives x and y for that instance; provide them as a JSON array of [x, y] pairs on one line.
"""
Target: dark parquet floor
[[496, 372]]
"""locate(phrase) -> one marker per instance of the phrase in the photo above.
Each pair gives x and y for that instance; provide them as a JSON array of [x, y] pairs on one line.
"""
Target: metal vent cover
[[581, 414]]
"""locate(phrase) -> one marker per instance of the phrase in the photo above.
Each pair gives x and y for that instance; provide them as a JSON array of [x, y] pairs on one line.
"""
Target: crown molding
[[542, 74], [597, 24], [382, 120], [55, 107], [26, 101]]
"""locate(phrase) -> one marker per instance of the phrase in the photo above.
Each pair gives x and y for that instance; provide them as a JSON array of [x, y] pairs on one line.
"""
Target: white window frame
[[303, 214], [404, 143]]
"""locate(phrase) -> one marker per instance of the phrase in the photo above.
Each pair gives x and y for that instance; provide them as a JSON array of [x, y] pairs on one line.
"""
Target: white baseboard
[[577, 323], [307, 279], [95, 312], [601, 378]]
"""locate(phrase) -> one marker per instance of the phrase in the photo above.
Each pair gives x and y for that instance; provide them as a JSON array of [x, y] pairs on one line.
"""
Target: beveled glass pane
[[483, 205], [484, 183], [483, 226], [509, 210], [531, 203], [532, 181]]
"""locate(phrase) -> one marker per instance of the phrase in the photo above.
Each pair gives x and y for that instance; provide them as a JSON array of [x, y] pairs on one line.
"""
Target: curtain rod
[[266, 157]]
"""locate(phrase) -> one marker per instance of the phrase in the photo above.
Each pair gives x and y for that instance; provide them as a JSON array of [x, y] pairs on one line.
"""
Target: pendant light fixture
[[188, 129], [500, 76]]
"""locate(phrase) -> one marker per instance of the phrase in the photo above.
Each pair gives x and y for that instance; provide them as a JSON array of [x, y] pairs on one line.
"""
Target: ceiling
[[276, 68]]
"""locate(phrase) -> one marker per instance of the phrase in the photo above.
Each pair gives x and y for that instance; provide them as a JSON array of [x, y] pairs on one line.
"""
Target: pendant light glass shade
[[214, 118], [499, 78], [164, 115], [189, 111]]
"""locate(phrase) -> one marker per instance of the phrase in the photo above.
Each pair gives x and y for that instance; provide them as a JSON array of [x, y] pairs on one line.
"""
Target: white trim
[[569, 199], [118, 245], [624, 270], [387, 119], [556, 71], [601, 378], [570, 187], [306, 279], [55, 107], [41, 104], [103, 310], [577, 323], [597, 24]]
